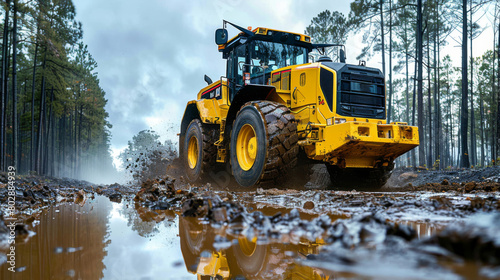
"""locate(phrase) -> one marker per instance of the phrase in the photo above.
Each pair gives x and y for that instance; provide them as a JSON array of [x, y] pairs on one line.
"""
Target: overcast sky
[[152, 54]]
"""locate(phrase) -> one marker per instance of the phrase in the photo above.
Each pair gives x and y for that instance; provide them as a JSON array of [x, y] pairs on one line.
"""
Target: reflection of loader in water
[[242, 258]]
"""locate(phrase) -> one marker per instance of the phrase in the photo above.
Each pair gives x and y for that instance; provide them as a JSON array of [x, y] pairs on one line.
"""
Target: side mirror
[[342, 56], [220, 36], [208, 80]]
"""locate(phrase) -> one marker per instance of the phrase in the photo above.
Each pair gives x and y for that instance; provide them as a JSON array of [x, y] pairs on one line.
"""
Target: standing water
[[100, 239]]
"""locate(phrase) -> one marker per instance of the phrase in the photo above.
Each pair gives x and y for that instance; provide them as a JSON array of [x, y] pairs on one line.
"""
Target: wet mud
[[166, 228]]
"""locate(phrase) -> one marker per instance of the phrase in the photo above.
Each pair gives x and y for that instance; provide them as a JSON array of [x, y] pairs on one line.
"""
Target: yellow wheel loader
[[274, 103]]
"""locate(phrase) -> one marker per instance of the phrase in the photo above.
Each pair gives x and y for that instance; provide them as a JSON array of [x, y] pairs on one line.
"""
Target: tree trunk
[[498, 96], [58, 164], [413, 154], [7, 146], [459, 141], [80, 142], [41, 119], [437, 116], [49, 129], [53, 161], [495, 89], [389, 113], [430, 158], [492, 124], [421, 153], [481, 128], [407, 91], [464, 159], [473, 150], [62, 161], [451, 123], [32, 150], [89, 138], [75, 150], [382, 35], [3, 113], [15, 131], [71, 150], [20, 147]]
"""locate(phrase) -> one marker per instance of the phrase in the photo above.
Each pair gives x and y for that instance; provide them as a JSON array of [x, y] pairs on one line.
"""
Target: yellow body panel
[[209, 110], [363, 144], [213, 108]]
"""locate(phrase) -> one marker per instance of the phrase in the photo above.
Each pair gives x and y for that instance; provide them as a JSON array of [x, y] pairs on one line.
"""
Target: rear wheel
[[199, 152], [361, 178], [263, 143]]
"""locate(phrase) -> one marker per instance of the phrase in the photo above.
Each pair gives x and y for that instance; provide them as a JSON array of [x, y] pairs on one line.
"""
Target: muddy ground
[[360, 231]]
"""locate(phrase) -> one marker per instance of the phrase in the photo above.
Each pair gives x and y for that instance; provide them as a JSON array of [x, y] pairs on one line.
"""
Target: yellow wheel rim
[[247, 247], [246, 147], [193, 152]]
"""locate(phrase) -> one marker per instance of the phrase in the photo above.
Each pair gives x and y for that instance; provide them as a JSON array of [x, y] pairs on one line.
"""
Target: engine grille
[[361, 95]]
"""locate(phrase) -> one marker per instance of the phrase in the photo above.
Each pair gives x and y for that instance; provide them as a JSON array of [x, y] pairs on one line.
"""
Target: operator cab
[[252, 55]]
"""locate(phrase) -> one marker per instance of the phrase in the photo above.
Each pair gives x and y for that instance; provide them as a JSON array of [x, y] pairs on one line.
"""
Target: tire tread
[[281, 130]]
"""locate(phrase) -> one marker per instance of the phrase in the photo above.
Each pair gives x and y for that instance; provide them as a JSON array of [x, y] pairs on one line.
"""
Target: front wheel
[[263, 143]]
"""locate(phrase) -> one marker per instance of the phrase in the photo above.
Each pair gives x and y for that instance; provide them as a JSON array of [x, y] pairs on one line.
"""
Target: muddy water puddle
[[100, 239]]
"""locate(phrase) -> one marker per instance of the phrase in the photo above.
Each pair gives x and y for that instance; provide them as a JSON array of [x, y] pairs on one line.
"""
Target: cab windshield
[[269, 56]]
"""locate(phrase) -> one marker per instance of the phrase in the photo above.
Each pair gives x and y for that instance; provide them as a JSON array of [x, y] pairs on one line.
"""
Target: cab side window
[[235, 69], [230, 66]]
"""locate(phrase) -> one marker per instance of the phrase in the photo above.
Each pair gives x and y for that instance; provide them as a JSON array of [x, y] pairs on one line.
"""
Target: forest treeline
[[457, 109], [52, 119]]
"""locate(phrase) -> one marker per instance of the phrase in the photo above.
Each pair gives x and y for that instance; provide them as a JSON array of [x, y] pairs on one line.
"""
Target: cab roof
[[269, 35]]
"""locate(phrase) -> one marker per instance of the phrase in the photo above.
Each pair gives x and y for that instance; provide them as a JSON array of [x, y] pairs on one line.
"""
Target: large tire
[[263, 143], [199, 152], [361, 178]]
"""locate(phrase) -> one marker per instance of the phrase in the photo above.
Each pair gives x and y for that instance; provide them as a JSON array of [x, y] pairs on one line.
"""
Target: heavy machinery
[[274, 103]]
